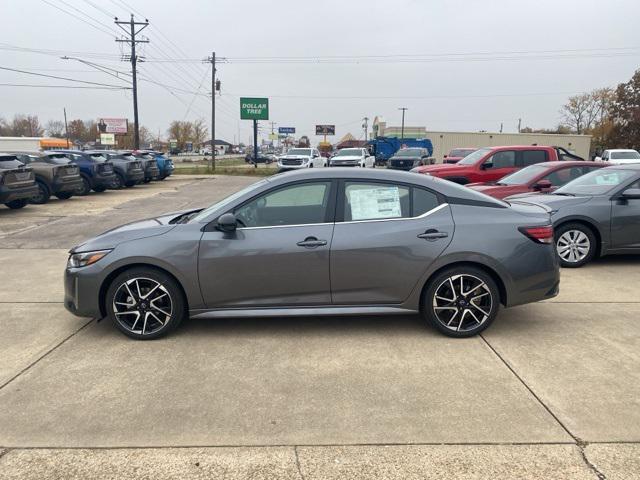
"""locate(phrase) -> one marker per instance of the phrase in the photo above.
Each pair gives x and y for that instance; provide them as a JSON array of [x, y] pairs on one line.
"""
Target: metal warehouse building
[[443, 142]]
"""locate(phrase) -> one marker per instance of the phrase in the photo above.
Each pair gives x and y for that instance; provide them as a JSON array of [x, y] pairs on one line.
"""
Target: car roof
[[445, 187], [628, 166], [571, 163], [25, 152], [620, 150]]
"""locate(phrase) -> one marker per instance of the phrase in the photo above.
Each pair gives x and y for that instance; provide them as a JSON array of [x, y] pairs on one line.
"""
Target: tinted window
[[531, 157], [423, 201], [632, 155], [294, 205], [375, 201], [503, 159], [565, 175]]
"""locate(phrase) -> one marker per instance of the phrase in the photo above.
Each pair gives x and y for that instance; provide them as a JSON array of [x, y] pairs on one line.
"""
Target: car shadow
[[614, 260]]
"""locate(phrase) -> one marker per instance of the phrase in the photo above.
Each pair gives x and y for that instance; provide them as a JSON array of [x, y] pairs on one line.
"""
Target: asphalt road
[[551, 390]]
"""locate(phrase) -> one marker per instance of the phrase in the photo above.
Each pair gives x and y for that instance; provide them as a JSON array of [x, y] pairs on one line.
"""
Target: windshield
[[299, 151], [474, 157], [409, 152], [630, 155], [523, 176], [349, 152], [225, 201], [460, 152], [598, 182]]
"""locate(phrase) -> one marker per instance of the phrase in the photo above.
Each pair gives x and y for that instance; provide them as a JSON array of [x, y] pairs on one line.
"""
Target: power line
[[101, 29], [58, 86], [61, 78]]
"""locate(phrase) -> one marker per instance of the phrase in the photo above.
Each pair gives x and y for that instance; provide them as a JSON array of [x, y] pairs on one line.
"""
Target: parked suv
[[165, 164], [408, 158], [96, 172], [620, 156], [17, 182], [297, 158], [353, 157], [492, 163], [128, 169], [149, 165], [51, 179]]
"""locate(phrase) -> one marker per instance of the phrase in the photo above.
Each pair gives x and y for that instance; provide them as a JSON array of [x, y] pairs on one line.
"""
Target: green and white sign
[[254, 108]]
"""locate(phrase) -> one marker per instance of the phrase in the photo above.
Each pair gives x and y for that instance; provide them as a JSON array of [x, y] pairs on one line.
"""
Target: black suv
[[151, 170], [128, 170], [17, 182]]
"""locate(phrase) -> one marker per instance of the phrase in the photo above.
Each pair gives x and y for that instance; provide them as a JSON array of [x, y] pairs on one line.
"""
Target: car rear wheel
[[43, 194], [145, 303], [64, 195], [85, 188], [16, 204], [575, 245], [461, 301]]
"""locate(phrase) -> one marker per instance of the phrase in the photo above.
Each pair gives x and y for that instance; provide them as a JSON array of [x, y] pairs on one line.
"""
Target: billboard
[[254, 108], [286, 130], [325, 129], [113, 125], [107, 139]]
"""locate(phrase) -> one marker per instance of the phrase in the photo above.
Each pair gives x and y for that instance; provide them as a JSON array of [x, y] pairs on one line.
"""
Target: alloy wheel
[[462, 303], [142, 306], [573, 246]]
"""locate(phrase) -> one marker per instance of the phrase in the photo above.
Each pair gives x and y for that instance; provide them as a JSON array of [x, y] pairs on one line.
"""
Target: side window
[[605, 155], [375, 201], [504, 159], [294, 205], [564, 175], [531, 157], [423, 201]]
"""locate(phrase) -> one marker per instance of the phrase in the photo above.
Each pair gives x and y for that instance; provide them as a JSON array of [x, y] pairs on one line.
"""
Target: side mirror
[[542, 185], [486, 165], [597, 159], [227, 222], [631, 194], [445, 156]]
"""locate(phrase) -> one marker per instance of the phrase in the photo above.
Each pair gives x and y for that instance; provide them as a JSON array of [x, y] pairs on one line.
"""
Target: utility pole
[[519, 124], [131, 40], [501, 125], [404, 109], [215, 87], [365, 125], [66, 130]]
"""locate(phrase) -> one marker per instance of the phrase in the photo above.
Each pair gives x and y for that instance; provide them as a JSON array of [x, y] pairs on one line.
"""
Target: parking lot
[[550, 390]]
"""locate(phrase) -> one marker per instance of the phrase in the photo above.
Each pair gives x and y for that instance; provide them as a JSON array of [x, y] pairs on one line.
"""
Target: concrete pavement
[[548, 391]]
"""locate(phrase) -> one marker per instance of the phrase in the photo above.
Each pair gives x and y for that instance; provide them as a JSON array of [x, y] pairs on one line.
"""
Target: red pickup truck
[[492, 163]]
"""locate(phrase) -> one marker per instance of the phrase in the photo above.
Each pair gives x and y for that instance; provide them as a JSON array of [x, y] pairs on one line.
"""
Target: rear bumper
[[539, 280], [135, 176], [8, 194], [151, 173], [103, 180], [68, 185]]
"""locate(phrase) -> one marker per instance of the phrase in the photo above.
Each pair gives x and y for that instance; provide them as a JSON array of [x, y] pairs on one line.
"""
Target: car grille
[[17, 178], [105, 168], [402, 163], [291, 162]]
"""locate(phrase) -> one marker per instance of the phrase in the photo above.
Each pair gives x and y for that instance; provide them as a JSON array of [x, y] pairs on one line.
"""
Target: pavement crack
[[52, 349], [521, 380], [4, 451], [581, 444], [295, 450]]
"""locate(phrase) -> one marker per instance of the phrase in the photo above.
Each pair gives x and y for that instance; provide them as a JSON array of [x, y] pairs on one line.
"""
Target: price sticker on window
[[375, 202]]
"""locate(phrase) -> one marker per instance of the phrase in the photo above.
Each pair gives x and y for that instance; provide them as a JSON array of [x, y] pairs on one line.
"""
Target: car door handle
[[432, 234], [311, 242]]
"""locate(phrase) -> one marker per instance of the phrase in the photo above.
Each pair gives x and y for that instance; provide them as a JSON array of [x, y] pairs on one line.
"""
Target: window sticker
[[375, 202]]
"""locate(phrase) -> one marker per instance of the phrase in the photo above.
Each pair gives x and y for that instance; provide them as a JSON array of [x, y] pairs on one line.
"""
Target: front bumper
[[354, 163], [8, 194], [282, 166], [82, 291], [402, 166]]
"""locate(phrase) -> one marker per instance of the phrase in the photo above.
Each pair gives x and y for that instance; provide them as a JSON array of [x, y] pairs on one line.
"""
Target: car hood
[[294, 157], [551, 200], [347, 157], [149, 227], [440, 169]]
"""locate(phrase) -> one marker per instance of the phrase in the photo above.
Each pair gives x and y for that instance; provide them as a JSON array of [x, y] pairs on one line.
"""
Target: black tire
[[145, 276], [43, 194], [64, 195], [85, 188], [130, 184], [576, 245], [146, 180], [16, 204], [99, 189], [457, 315], [118, 181]]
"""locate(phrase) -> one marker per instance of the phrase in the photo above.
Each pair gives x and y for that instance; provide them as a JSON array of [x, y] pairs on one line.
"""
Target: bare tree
[[26, 126], [55, 128]]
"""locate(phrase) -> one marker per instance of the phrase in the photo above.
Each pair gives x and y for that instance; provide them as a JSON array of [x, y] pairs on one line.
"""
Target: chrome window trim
[[425, 214]]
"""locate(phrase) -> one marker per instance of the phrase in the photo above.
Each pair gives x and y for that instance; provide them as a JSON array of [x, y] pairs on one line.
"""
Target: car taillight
[[543, 234]]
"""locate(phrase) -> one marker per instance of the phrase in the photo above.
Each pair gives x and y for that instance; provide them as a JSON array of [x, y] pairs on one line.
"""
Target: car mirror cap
[[227, 222], [631, 193]]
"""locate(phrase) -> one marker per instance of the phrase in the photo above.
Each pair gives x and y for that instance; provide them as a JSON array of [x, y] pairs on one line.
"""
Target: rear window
[[8, 158], [625, 155], [531, 157]]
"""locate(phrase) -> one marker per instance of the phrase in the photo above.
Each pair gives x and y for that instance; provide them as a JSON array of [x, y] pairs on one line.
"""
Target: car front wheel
[[145, 303], [575, 245], [461, 301]]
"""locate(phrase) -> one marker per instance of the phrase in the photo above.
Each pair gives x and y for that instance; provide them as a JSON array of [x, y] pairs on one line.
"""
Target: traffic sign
[[286, 130], [254, 108]]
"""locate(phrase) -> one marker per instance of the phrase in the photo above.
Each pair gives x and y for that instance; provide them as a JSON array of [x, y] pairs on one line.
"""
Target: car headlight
[[84, 259]]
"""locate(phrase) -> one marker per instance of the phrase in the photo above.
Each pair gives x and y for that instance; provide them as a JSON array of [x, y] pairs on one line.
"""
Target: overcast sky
[[444, 60]]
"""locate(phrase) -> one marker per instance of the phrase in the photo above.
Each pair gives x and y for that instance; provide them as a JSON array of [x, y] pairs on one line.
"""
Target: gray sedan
[[321, 242], [594, 215]]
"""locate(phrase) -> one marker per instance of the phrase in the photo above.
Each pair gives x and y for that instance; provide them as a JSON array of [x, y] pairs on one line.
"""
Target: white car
[[620, 156], [297, 158], [353, 157]]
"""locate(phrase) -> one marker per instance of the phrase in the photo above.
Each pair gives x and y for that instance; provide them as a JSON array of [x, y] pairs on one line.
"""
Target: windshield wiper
[[565, 194]]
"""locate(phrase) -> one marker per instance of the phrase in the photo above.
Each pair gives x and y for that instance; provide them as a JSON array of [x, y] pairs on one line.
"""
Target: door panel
[[381, 261], [625, 223], [265, 267]]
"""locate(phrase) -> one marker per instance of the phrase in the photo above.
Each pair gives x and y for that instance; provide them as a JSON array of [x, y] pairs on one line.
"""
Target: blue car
[[165, 164], [95, 170]]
